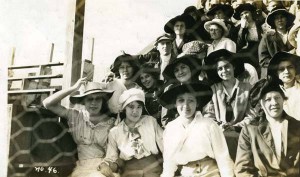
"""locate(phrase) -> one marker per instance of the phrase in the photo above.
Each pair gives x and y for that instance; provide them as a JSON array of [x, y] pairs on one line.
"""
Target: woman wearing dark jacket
[[274, 41], [249, 32], [178, 27], [270, 145]]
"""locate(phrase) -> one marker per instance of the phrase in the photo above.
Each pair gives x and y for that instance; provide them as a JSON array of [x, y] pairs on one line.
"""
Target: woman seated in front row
[[193, 144], [137, 140], [270, 145]]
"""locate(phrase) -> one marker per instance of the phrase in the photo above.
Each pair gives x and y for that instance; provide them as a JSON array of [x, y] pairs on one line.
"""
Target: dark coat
[[246, 47], [270, 44], [256, 151]]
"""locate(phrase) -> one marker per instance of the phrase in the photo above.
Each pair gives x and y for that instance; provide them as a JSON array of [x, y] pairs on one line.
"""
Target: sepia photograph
[[150, 88]]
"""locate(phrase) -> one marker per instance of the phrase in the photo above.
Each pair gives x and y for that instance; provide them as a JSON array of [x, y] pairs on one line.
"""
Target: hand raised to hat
[[81, 81]]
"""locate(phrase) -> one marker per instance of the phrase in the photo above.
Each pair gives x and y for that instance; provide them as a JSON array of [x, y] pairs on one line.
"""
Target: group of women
[[196, 107]]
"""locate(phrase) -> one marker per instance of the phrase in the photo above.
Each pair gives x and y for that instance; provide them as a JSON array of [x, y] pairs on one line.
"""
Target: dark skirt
[[150, 166]]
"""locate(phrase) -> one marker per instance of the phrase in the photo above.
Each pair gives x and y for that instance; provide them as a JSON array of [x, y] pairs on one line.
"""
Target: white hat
[[219, 22], [131, 95]]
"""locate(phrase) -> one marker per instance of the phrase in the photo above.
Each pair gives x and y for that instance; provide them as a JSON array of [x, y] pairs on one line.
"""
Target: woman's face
[[247, 15], [147, 80], [93, 103], [225, 70], [219, 14], [272, 104], [186, 105], [182, 72], [215, 32], [126, 70], [286, 72], [133, 112], [179, 28], [280, 22]]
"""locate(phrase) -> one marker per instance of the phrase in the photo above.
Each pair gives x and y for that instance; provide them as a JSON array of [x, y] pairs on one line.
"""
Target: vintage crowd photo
[[152, 88]]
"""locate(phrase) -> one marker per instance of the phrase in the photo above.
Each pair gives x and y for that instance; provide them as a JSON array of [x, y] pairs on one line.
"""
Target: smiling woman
[[136, 140], [268, 146], [89, 125]]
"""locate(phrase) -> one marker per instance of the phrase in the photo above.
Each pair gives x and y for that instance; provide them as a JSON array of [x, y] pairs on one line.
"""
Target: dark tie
[[229, 110]]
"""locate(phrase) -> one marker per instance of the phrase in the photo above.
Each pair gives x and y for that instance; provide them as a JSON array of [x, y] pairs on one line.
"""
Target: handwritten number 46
[[46, 169]]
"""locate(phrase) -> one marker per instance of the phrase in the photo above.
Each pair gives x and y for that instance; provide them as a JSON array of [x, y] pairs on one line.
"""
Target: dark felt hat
[[271, 17], [283, 56], [193, 62], [227, 9], [202, 92], [187, 19], [124, 58], [90, 88], [212, 59], [243, 7], [262, 87], [190, 9]]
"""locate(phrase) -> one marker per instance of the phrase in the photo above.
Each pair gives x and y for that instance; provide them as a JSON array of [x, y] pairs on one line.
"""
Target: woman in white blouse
[[193, 145], [89, 124], [136, 140]]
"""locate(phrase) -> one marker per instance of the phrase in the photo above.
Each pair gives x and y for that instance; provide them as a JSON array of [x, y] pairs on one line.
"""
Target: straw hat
[[219, 22], [90, 88], [292, 34]]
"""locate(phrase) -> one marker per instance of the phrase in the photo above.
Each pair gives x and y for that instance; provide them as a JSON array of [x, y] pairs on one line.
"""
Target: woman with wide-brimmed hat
[[249, 32], [185, 69], [178, 27], [218, 32], [269, 145], [136, 140], [224, 12], [88, 125], [274, 41], [286, 67], [192, 143], [152, 86], [230, 101], [126, 68]]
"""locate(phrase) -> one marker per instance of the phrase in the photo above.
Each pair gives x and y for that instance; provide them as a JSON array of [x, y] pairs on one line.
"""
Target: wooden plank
[[35, 66], [31, 91], [36, 77]]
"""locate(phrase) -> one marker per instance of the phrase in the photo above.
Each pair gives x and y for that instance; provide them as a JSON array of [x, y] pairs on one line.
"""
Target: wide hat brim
[[193, 62], [241, 8], [77, 98], [271, 17], [282, 56], [187, 19], [202, 92], [292, 34], [216, 21], [227, 9], [123, 58], [212, 59]]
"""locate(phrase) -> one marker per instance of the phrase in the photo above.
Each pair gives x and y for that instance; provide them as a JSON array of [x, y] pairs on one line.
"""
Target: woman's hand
[[244, 23], [105, 170], [81, 81]]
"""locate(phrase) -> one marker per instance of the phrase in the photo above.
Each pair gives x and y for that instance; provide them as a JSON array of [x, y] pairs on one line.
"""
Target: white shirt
[[291, 105], [223, 43], [119, 144], [164, 62], [201, 138], [279, 134]]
